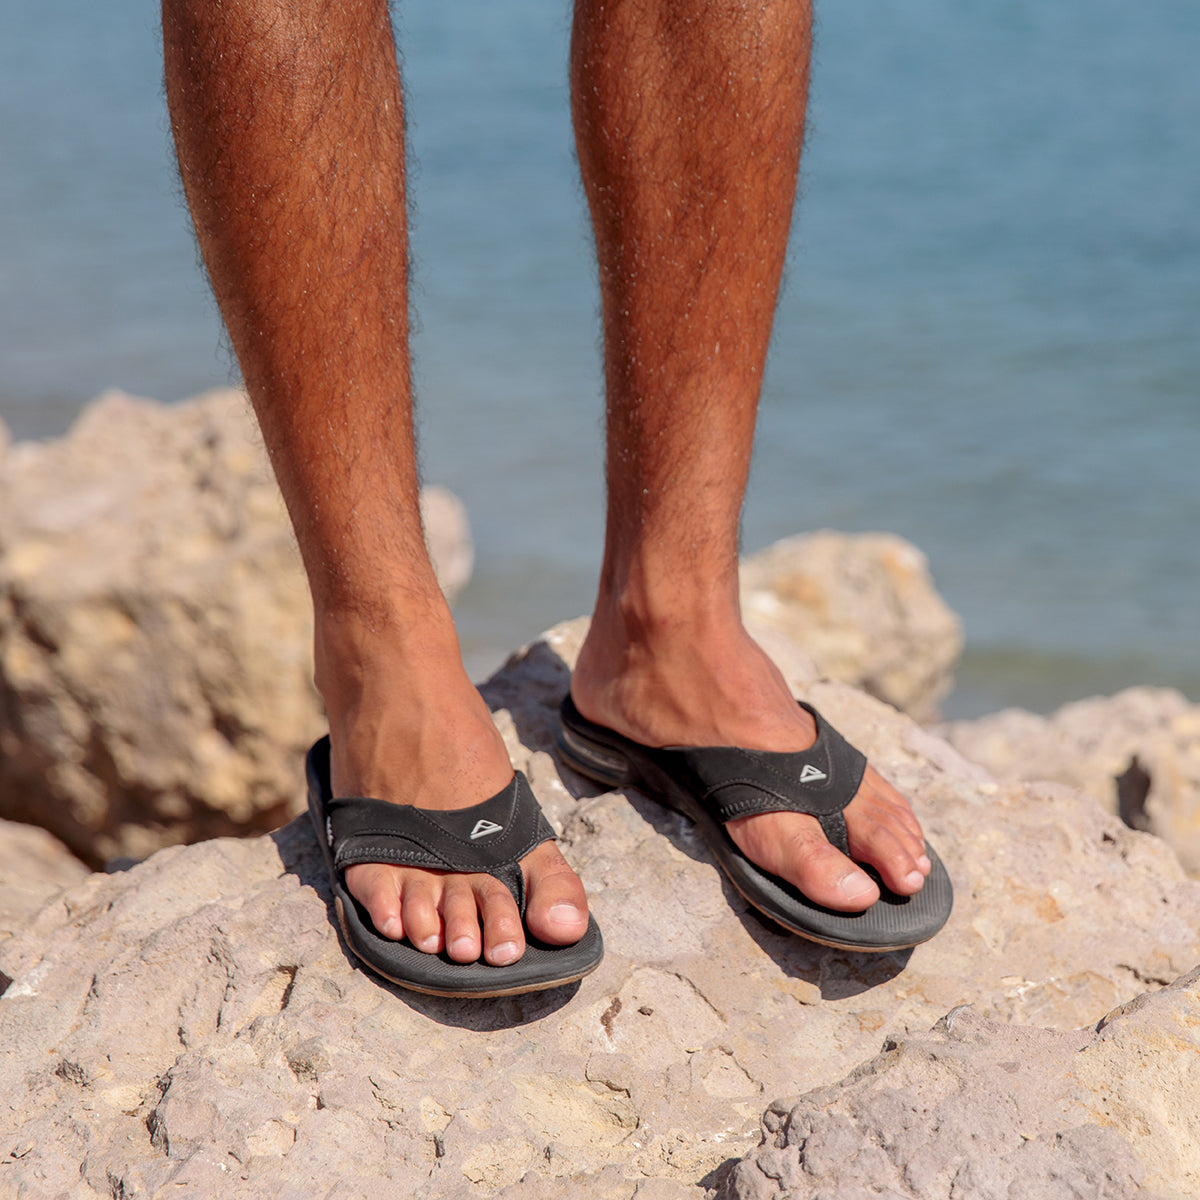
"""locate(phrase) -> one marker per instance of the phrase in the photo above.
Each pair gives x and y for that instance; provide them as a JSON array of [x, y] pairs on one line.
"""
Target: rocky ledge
[[1137, 752], [193, 1025]]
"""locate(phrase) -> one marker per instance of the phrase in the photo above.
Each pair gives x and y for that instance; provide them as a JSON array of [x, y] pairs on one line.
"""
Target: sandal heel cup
[[593, 759]]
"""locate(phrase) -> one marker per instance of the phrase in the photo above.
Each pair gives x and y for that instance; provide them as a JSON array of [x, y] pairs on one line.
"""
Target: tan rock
[[155, 629], [174, 1026], [864, 607], [34, 868], [1141, 745], [977, 1109]]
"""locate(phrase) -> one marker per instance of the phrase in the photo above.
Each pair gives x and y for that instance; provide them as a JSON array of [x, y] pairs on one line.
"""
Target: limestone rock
[[194, 1023], [155, 631], [1138, 751], [864, 607], [977, 1109], [34, 867]]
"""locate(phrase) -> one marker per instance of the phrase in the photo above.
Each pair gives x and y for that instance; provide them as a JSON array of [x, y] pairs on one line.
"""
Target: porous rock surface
[[1138, 750], [865, 608], [34, 867], [155, 627], [194, 1026], [979, 1109]]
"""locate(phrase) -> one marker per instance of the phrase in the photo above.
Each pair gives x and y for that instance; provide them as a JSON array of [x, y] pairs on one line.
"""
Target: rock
[[195, 1023], [448, 536], [1141, 746], [34, 868], [977, 1108], [155, 629], [864, 607]]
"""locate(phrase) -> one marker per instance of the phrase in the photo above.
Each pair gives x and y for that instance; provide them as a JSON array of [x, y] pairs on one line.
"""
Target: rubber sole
[[892, 923], [540, 968], [485, 991]]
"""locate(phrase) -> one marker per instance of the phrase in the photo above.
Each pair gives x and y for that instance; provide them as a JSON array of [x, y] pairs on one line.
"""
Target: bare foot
[[716, 687], [408, 726]]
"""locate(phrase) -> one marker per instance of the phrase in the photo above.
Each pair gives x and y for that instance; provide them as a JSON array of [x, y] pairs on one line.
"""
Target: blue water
[[988, 340]]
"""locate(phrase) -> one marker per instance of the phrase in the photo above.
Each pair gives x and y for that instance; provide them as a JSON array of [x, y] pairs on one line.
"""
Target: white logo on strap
[[483, 828], [810, 774]]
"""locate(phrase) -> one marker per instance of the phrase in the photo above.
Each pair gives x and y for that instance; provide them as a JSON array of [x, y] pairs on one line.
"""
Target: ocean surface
[[988, 341]]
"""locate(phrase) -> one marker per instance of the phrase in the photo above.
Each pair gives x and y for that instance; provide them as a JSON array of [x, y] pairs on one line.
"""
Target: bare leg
[[689, 117], [288, 126]]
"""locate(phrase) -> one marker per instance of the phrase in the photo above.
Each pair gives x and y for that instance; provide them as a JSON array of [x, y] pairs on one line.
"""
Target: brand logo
[[483, 828], [329, 830], [810, 774]]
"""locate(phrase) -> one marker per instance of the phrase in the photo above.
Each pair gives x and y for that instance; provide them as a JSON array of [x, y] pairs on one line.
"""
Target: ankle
[[353, 645], [405, 721], [637, 650], [670, 610]]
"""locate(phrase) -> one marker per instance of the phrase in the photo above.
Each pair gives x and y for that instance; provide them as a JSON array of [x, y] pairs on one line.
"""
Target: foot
[[411, 728], [716, 687]]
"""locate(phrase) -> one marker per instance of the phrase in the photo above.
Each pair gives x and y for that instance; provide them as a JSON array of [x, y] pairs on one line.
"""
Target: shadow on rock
[[531, 686], [489, 1015], [301, 856]]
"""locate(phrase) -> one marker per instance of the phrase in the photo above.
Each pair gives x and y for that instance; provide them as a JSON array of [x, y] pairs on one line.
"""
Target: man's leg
[[289, 131], [689, 117]]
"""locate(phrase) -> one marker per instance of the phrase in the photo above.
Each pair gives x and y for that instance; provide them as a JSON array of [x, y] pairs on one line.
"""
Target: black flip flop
[[711, 785], [491, 837]]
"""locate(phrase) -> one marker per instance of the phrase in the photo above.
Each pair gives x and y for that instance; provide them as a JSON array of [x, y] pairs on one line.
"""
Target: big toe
[[375, 887], [793, 847], [884, 831], [556, 910]]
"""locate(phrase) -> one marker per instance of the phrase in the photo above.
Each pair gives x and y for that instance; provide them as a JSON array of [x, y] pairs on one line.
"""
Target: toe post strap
[[821, 781], [490, 838]]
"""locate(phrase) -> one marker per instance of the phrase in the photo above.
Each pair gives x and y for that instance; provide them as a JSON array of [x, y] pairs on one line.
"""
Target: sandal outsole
[[540, 968], [892, 923]]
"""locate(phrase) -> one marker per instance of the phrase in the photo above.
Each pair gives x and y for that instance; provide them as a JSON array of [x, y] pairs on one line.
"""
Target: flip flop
[[491, 837], [711, 785]]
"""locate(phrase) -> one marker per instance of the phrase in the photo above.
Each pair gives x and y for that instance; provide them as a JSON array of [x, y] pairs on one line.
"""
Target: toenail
[[461, 949], [503, 954], [564, 914], [392, 928], [914, 879], [429, 944], [855, 885], [924, 863]]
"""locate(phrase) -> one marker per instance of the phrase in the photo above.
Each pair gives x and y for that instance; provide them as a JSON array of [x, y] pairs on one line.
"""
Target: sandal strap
[[489, 838], [732, 782]]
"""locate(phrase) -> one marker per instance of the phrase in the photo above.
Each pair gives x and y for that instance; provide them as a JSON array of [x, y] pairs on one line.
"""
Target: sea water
[[987, 341]]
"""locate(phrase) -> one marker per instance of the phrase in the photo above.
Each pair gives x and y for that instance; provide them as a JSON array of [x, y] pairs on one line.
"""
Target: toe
[[556, 910], [460, 915], [473, 915], [884, 831], [794, 847], [503, 935], [375, 887], [420, 902]]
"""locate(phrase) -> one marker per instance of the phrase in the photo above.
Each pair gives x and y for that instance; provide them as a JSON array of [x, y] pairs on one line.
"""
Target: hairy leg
[[290, 136], [689, 118]]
